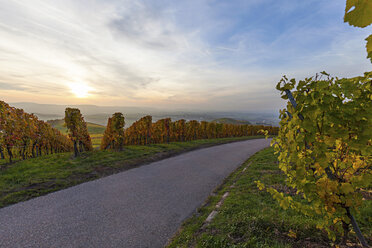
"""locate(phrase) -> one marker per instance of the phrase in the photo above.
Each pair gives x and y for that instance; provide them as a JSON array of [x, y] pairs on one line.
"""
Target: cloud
[[8, 86], [218, 54]]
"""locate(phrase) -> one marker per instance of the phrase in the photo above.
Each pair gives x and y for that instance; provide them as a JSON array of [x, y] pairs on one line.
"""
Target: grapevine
[[325, 148], [78, 130], [114, 134], [144, 131], [23, 136]]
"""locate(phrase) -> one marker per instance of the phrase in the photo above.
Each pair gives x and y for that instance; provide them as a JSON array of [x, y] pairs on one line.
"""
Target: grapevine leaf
[[361, 15], [332, 136], [369, 47]]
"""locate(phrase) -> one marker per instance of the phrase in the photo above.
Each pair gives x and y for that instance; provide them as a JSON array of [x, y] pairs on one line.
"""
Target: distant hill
[[100, 114], [45, 117], [231, 121], [92, 127], [59, 110]]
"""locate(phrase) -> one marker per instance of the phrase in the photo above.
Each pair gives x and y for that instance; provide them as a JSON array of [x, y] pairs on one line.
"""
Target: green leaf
[[369, 47], [333, 136], [346, 188], [361, 15]]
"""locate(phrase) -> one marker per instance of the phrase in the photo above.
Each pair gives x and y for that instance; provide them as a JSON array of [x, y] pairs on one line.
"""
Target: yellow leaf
[[292, 234], [260, 185]]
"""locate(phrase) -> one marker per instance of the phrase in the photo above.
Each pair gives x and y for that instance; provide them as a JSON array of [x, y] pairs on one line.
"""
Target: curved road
[[141, 207]]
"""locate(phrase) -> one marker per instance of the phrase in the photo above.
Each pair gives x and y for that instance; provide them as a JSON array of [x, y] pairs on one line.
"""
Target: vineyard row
[[23, 135]]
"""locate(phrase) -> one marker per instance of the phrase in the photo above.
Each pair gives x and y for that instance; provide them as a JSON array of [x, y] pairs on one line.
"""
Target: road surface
[[141, 207]]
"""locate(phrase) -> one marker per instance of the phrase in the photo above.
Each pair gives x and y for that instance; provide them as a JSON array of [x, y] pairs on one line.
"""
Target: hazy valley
[[100, 114]]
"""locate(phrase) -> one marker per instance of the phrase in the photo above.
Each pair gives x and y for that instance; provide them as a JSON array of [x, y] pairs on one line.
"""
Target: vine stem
[[333, 177], [356, 228]]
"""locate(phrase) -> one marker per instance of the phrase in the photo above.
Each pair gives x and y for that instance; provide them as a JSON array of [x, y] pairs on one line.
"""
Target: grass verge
[[30, 178], [252, 218], [96, 140]]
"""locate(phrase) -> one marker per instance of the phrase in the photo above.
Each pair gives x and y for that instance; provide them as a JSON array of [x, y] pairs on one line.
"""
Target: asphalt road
[[141, 207]]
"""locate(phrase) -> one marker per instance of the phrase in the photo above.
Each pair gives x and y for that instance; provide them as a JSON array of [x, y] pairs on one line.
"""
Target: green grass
[[30, 178], [92, 127], [251, 218], [96, 140], [95, 130]]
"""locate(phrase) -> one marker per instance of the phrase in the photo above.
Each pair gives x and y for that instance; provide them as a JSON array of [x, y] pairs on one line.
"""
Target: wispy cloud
[[210, 54]]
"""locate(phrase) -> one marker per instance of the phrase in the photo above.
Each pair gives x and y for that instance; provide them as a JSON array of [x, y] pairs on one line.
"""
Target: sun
[[80, 90]]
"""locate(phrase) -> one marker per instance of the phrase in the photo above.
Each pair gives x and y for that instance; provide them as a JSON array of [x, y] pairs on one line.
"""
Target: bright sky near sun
[[214, 55], [80, 90]]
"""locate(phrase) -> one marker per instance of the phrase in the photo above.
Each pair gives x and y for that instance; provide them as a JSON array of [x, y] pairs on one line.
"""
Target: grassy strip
[[96, 140], [251, 218], [30, 178], [92, 127]]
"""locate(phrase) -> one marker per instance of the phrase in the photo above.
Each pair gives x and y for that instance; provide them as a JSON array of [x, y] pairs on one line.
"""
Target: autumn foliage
[[113, 137], [23, 136], [325, 148], [144, 131], [77, 130]]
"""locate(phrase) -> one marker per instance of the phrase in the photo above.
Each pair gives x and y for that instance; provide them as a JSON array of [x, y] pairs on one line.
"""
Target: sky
[[194, 54]]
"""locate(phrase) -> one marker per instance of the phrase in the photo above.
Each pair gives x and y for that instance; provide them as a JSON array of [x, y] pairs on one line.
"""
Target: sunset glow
[[215, 55], [80, 90]]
